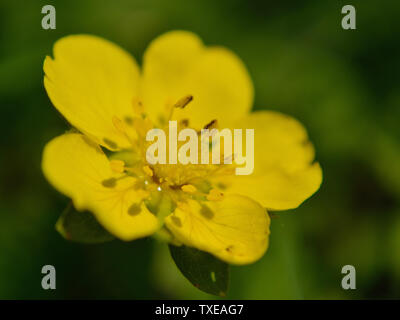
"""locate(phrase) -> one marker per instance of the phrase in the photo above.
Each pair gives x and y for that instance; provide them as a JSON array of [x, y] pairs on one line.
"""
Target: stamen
[[180, 104], [212, 124], [117, 166], [137, 106], [112, 182], [134, 209], [183, 102], [183, 206], [184, 122], [215, 195], [189, 188], [122, 128], [119, 125], [228, 159], [142, 126], [148, 171]]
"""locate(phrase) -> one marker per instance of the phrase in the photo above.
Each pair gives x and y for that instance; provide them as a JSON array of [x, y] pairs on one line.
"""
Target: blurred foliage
[[343, 85]]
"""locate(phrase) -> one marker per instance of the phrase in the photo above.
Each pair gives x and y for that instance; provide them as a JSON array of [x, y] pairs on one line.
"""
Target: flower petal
[[284, 172], [234, 229], [79, 169], [177, 64], [91, 80]]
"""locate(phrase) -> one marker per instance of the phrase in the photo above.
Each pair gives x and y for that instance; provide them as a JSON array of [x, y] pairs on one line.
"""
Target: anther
[[184, 122], [183, 102], [137, 106], [117, 166], [148, 171], [212, 124], [189, 188], [215, 195]]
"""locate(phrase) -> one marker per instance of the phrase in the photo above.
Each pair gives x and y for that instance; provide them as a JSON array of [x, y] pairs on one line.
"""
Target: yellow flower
[[100, 90]]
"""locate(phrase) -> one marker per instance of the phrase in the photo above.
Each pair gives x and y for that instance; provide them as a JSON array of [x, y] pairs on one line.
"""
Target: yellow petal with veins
[[91, 80], [79, 169], [178, 65], [235, 229], [285, 173]]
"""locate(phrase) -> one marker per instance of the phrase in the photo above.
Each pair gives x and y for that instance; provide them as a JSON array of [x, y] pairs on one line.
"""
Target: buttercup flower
[[102, 165]]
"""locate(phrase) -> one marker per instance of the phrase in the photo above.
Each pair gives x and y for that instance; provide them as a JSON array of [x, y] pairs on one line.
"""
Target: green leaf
[[81, 227], [203, 270]]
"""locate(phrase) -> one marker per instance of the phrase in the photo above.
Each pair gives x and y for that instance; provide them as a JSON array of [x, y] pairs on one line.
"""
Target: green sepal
[[81, 227], [202, 269]]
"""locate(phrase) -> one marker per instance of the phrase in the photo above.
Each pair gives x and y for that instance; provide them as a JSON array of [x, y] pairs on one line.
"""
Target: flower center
[[176, 181]]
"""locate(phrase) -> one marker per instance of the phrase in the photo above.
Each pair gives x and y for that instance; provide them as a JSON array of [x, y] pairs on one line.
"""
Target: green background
[[343, 85]]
